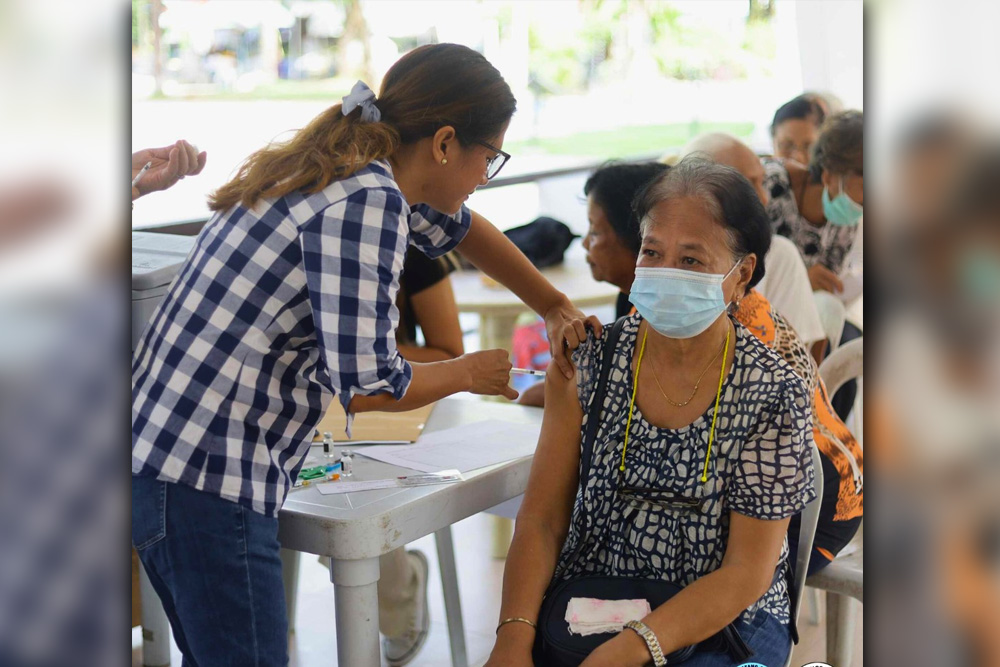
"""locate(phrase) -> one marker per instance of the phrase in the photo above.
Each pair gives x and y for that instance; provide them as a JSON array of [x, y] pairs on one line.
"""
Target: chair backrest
[[832, 314], [807, 533], [845, 363]]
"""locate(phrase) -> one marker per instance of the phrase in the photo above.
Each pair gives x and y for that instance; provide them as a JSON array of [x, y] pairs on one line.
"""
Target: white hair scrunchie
[[362, 96]]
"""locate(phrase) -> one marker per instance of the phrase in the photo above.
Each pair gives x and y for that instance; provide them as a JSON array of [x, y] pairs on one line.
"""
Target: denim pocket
[[767, 636], [149, 520]]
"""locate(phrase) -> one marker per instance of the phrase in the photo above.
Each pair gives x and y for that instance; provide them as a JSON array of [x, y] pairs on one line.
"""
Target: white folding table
[[355, 529]]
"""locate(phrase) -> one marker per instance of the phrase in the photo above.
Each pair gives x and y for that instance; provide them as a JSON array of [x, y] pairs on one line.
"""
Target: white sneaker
[[399, 651]]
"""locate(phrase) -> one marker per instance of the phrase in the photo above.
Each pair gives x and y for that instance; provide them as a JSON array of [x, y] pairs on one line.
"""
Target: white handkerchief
[[590, 616]]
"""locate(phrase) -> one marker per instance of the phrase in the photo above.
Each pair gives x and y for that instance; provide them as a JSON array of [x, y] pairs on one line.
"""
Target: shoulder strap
[[597, 404]]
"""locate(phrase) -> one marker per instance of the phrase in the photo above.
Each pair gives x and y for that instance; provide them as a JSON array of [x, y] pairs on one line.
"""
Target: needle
[[527, 371], [141, 172]]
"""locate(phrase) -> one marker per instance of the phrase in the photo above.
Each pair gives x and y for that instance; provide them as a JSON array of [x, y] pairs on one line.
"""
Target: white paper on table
[[466, 447]]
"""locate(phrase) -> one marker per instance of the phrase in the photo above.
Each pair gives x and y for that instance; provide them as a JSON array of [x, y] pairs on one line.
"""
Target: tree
[[761, 11], [156, 10], [355, 31]]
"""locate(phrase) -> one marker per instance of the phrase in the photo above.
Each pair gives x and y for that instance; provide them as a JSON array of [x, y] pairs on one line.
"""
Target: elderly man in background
[[786, 284]]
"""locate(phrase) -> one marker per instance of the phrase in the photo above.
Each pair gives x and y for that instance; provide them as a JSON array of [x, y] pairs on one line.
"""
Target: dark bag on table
[[543, 241], [554, 645]]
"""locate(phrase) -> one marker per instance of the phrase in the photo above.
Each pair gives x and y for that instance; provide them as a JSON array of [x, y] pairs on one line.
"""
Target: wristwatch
[[652, 643]]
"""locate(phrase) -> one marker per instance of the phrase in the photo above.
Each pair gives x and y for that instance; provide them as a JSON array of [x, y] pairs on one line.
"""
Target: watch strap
[[652, 643]]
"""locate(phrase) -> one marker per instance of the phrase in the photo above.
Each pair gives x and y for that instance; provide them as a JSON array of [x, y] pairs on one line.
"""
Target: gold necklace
[[696, 384], [715, 411]]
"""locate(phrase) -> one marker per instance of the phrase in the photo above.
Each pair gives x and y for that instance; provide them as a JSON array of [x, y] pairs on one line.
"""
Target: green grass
[[618, 143], [626, 141]]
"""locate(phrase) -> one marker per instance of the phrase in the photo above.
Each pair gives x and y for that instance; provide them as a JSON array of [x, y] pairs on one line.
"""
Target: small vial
[[328, 445], [347, 463]]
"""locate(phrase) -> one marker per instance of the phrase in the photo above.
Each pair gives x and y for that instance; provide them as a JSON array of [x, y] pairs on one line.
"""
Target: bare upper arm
[[437, 317], [552, 485], [755, 546], [807, 194]]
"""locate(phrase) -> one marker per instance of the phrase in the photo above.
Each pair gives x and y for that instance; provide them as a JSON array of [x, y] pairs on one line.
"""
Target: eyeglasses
[[662, 498], [791, 147], [495, 163]]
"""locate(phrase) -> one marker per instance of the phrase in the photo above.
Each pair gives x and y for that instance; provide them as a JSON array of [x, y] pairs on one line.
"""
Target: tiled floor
[[314, 641]]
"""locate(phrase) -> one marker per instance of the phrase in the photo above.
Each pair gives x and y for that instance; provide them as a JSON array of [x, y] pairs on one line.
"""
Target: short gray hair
[[728, 197]]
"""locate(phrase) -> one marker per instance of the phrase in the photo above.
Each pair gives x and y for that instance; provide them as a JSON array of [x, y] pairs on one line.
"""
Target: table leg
[[503, 532], [452, 601], [290, 578], [497, 332], [355, 589]]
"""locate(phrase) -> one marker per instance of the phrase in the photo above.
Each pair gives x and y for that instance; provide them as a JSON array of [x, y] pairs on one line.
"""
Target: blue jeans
[[216, 567], [769, 639]]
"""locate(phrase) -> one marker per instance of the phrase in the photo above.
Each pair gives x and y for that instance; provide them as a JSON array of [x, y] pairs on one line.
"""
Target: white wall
[[831, 48]]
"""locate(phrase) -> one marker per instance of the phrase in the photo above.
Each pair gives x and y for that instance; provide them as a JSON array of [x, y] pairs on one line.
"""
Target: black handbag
[[554, 645], [544, 240], [559, 648]]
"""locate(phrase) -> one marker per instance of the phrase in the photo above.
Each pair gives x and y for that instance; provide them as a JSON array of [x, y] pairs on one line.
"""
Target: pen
[[527, 371], [141, 172]]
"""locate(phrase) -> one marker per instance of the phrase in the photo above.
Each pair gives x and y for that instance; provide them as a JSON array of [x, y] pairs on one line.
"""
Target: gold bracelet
[[518, 619]]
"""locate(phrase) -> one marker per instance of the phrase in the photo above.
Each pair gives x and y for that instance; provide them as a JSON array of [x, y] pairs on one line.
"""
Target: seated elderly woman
[[796, 126], [612, 244], [820, 209], [702, 449]]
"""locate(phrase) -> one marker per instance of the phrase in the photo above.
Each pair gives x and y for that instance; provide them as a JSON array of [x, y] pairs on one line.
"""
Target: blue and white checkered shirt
[[276, 309]]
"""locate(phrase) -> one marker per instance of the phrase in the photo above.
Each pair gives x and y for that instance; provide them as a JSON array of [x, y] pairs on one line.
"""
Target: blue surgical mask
[[979, 276], [841, 210], [678, 303]]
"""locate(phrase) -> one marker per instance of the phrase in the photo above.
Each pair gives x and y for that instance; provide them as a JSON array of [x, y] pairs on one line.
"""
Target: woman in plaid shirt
[[288, 299]]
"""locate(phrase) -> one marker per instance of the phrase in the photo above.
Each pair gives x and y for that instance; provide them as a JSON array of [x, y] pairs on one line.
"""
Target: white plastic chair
[[843, 364], [833, 315], [844, 582], [844, 578], [807, 533]]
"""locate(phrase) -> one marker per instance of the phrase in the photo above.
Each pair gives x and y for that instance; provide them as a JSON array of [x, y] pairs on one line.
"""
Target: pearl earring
[[444, 160]]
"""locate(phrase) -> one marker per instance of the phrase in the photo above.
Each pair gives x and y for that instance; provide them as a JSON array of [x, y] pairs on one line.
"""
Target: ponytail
[[331, 147]]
